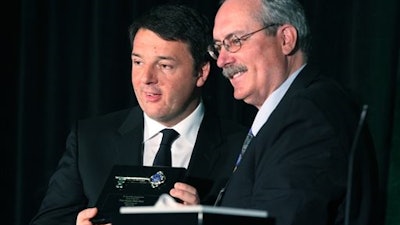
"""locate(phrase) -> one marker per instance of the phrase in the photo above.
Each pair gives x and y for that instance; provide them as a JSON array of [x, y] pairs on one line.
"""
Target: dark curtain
[[66, 60]]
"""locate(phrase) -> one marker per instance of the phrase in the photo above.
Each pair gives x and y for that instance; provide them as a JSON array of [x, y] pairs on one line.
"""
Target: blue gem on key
[[157, 179]]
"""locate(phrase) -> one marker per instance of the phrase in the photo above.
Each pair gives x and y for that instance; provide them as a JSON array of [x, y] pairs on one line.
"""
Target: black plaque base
[[129, 186]]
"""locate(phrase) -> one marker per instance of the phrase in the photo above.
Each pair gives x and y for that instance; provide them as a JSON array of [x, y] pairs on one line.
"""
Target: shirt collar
[[187, 128], [272, 101]]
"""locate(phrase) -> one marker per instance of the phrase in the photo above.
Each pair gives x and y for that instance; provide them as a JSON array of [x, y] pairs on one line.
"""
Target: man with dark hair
[[170, 65]]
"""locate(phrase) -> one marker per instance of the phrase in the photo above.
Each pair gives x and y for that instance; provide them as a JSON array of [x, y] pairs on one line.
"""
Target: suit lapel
[[206, 151], [130, 140], [305, 77]]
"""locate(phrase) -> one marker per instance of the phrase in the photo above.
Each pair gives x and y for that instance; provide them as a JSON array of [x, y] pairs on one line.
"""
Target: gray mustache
[[228, 72]]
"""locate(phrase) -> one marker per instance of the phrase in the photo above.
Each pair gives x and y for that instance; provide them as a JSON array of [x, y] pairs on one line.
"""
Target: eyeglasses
[[232, 43]]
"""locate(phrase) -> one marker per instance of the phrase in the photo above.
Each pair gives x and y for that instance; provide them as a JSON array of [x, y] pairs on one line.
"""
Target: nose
[[223, 58], [148, 75]]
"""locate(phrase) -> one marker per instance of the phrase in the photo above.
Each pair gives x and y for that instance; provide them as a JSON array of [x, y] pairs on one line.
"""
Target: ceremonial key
[[155, 180]]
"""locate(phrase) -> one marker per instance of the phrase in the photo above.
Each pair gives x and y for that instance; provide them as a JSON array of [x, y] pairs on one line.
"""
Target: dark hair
[[175, 22]]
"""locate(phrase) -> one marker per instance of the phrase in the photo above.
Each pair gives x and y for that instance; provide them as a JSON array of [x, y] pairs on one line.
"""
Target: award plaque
[[129, 186]]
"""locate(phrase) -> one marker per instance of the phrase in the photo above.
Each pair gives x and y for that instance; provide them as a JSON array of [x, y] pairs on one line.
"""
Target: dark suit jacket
[[296, 166], [95, 145]]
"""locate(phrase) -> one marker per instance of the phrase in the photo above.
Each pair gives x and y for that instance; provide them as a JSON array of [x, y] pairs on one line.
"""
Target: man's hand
[[85, 215], [186, 193]]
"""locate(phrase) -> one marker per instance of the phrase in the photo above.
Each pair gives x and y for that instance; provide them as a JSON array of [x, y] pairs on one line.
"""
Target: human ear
[[288, 34], [203, 74]]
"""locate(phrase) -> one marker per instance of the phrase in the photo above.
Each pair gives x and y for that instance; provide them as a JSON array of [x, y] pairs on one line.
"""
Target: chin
[[237, 96]]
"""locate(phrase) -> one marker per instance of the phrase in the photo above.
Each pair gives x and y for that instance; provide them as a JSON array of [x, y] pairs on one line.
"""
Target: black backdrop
[[69, 59]]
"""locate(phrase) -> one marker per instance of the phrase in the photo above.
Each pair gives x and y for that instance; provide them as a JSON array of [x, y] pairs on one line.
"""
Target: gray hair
[[285, 12]]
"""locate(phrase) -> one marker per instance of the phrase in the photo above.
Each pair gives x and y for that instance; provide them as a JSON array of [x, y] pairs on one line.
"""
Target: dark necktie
[[163, 157]]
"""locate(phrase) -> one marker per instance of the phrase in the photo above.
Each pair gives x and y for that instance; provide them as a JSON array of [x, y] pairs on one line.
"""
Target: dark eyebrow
[[134, 54], [158, 57], [166, 58]]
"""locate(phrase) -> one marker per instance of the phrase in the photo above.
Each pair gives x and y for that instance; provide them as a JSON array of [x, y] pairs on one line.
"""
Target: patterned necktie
[[163, 157], [244, 148]]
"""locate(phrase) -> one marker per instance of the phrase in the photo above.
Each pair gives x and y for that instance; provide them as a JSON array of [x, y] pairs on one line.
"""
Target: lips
[[152, 96]]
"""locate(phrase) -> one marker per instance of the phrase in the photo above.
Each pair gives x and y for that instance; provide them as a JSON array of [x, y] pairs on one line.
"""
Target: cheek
[[138, 76], [134, 79], [133, 75], [181, 90], [268, 60], [135, 84]]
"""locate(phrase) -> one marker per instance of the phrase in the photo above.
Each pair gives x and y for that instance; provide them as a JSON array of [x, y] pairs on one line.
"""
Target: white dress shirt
[[182, 147]]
